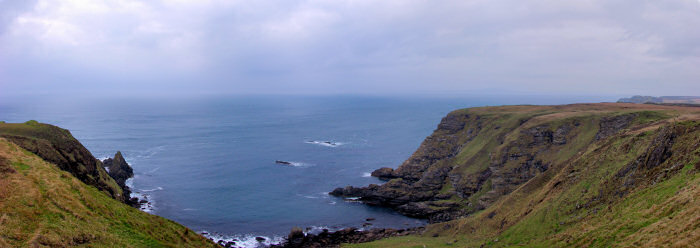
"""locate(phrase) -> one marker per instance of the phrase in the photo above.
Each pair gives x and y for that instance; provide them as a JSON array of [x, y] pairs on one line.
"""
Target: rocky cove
[[434, 184], [476, 161], [476, 157]]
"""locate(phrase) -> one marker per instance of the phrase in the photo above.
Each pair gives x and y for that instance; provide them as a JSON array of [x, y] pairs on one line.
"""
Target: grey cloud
[[365, 47]]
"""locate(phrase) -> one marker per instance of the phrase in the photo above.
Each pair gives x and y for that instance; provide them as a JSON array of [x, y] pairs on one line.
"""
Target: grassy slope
[[563, 206], [45, 206], [58, 145]]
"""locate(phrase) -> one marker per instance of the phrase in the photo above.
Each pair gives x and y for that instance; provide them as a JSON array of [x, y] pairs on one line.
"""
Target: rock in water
[[119, 169], [283, 162]]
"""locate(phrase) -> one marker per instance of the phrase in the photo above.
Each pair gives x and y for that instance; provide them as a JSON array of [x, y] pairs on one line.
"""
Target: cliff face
[[477, 156], [42, 205], [584, 175], [119, 170], [58, 146]]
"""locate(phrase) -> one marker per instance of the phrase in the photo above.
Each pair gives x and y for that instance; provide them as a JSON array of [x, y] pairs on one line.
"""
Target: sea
[[209, 162]]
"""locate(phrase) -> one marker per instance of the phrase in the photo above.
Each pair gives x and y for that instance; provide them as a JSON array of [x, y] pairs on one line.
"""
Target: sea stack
[[119, 169]]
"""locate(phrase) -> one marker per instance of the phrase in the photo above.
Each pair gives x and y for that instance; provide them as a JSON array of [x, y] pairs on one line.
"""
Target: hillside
[[70, 201], [662, 99], [595, 175], [58, 146]]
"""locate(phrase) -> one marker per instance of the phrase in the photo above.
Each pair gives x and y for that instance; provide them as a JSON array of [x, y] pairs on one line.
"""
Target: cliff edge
[[594, 175], [54, 193]]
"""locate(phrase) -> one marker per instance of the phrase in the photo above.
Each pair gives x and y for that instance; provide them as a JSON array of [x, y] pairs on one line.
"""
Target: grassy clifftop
[[42, 205], [583, 175], [58, 146]]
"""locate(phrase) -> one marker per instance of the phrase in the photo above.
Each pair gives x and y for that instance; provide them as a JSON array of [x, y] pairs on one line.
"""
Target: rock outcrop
[[58, 146], [119, 170], [298, 239], [476, 156]]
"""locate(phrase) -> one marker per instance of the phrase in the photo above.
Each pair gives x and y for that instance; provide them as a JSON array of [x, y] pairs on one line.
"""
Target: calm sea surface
[[209, 163]]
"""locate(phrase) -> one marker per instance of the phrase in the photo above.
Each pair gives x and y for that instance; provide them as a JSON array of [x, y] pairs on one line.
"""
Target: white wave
[[130, 183], [317, 229], [246, 240], [366, 174], [150, 152], [151, 190], [103, 158], [352, 199], [308, 196], [332, 202], [325, 143], [147, 207], [189, 209], [296, 164]]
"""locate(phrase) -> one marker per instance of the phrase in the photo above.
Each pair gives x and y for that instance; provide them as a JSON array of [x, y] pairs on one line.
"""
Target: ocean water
[[209, 163]]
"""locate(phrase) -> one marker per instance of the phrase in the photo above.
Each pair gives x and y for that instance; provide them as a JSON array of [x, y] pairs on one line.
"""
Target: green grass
[[20, 166], [563, 207], [46, 206]]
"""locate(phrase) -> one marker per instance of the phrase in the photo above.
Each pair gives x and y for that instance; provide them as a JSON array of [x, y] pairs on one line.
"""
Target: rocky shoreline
[[297, 238], [431, 185], [119, 170]]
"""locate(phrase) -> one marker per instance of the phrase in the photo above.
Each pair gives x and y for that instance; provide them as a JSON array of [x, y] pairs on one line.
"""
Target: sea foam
[[325, 143], [246, 240]]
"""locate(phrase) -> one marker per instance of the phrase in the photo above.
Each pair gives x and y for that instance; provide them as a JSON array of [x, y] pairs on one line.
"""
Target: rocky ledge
[[297, 238]]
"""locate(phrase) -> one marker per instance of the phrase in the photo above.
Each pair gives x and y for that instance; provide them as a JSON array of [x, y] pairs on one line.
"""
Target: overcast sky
[[350, 47]]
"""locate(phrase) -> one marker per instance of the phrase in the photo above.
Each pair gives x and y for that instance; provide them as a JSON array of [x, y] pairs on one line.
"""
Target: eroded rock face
[[119, 170], [613, 124], [474, 158], [417, 187], [384, 173], [655, 155], [326, 239], [418, 181], [58, 146]]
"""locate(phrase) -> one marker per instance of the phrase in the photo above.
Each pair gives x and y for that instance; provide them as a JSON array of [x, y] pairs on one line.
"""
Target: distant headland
[[662, 99]]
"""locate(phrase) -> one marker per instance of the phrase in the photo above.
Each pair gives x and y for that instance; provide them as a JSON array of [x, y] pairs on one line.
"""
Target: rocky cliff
[[53, 193], [476, 156], [119, 170], [582, 175], [58, 146]]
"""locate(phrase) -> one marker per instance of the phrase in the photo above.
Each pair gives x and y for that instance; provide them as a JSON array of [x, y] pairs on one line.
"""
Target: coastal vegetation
[[43, 204], [583, 175], [593, 175]]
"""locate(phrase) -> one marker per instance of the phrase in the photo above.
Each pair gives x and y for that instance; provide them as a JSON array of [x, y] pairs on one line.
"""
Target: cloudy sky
[[350, 47]]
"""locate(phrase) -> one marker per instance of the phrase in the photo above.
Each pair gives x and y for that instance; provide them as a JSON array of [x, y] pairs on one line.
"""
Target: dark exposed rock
[[119, 170], [559, 137], [541, 135], [297, 238], [58, 146], [613, 124], [384, 173], [283, 162], [452, 123], [418, 179], [260, 239], [656, 154]]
